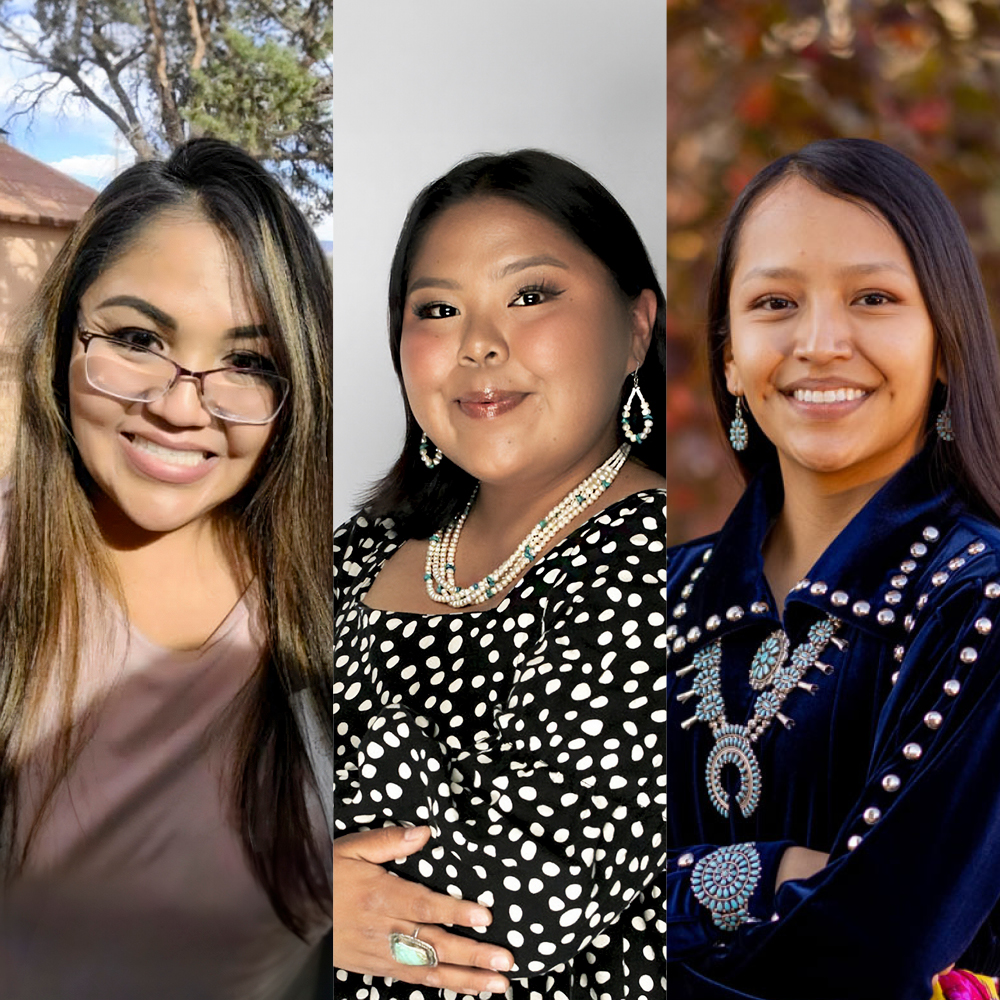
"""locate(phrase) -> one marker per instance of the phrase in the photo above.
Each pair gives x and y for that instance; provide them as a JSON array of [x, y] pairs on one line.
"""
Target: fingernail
[[497, 986], [480, 918], [413, 832], [500, 963]]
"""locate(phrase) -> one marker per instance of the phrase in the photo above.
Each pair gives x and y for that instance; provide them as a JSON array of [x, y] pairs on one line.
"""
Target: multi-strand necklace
[[774, 674], [439, 571]]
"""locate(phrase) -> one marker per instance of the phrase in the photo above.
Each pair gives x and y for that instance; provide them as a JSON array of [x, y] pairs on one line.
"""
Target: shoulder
[[954, 566], [636, 525], [361, 543], [619, 550], [684, 561]]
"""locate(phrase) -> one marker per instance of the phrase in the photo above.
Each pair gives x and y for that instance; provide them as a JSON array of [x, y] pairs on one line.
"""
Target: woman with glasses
[[165, 625], [499, 609]]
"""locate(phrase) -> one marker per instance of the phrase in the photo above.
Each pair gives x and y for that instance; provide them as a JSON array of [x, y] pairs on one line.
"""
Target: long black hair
[[876, 176], [421, 501], [55, 561]]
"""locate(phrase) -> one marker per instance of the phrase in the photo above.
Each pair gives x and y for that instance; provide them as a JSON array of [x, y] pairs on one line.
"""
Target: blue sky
[[74, 137]]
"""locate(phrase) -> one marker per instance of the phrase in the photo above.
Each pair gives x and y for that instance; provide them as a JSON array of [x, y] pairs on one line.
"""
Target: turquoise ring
[[408, 949]]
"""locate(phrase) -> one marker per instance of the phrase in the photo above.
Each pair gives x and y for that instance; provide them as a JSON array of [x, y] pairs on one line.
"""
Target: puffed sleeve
[[915, 868], [555, 817]]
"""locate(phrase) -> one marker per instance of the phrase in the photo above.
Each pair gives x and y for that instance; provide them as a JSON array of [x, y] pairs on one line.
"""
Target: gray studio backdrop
[[422, 84]]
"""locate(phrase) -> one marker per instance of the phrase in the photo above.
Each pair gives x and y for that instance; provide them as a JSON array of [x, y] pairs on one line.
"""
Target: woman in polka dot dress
[[833, 723], [499, 688]]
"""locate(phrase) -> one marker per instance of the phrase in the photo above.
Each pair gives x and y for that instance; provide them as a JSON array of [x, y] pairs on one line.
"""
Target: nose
[[823, 333], [483, 342], [181, 405]]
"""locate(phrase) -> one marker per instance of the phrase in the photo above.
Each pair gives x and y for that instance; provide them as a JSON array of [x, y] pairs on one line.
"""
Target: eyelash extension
[[542, 288], [421, 310]]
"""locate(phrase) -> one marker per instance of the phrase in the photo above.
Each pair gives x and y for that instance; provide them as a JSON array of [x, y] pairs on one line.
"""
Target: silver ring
[[408, 949]]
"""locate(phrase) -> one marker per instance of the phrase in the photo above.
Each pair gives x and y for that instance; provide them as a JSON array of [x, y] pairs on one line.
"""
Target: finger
[[383, 845], [465, 981], [416, 902], [453, 949]]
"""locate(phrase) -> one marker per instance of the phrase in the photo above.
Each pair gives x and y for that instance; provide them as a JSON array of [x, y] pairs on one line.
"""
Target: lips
[[167, 463], [487, 404]]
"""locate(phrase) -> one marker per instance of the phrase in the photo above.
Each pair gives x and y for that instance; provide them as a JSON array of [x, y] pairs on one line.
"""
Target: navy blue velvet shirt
[[891, 763]]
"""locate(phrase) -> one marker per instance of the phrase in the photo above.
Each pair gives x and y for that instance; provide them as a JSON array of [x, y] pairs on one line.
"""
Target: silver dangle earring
[[431, 463], [943, 424], [647, 419], [738, 435]]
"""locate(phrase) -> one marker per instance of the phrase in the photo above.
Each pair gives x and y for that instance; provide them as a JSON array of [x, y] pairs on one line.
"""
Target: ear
[[733, 381], [643, 317]]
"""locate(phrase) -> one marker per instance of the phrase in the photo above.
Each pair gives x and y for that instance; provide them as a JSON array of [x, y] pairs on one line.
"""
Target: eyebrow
[[251, 331], [851, 269], [508, 269]]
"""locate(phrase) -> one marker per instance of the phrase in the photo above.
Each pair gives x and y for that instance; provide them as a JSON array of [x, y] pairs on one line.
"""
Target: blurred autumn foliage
[[749, 80]]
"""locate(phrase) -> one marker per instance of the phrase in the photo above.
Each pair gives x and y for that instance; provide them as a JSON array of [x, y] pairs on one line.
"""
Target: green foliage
[[749, 80], [255, 72]]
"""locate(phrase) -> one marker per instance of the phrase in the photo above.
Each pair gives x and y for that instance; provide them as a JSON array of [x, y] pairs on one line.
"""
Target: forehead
[[797, 224], [176, 258], [490, 226]]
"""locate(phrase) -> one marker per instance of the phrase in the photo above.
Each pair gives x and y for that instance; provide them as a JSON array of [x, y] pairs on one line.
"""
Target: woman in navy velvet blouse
[[834, 665]]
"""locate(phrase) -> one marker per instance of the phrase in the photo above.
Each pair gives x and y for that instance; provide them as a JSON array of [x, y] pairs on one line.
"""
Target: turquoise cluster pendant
[[774, 674]]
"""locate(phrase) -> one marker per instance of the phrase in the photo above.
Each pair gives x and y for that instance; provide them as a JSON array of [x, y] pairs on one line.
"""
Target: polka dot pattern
[[530, 737]]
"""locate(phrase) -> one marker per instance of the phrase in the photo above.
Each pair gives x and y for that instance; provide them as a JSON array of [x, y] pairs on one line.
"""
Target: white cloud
[[97, 165]]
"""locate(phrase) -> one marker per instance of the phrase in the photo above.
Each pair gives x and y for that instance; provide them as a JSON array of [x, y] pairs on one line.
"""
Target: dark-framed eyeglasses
[[128, 371]]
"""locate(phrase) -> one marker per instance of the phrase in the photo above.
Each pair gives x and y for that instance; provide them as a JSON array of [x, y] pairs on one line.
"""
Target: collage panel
[[499, 426], [165, 501], [834, 380]]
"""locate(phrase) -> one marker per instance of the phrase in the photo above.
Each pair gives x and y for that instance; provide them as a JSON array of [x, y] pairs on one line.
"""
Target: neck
[[814, 512]]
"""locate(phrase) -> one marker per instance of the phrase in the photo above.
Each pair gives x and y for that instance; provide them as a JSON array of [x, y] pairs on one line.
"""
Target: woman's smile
[[515, 345], [831, 346], [167, 462], [490, 403]]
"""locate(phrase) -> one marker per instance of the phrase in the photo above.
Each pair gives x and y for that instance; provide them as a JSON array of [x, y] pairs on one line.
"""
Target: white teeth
[[172, 456], [828, 395]]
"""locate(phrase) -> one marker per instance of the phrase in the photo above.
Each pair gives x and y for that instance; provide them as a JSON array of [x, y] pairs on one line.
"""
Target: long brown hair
[[56, 568], [876, 176]]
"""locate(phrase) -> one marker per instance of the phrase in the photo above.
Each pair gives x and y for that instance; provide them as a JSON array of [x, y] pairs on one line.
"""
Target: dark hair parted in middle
[[882, 180], [420, 502]]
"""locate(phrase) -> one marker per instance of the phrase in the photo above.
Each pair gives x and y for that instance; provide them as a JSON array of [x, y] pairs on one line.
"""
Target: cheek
[[90, 411], [248, 442], [424, 361]]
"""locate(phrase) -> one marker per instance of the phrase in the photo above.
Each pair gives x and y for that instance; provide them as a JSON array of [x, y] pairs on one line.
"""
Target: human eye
[[772, 303], [434, 310], [250, 360], [535, 295], [136, 337], [875, 299]]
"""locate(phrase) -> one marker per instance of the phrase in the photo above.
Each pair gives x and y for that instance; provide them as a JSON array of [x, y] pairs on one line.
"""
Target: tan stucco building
[[38, 208]]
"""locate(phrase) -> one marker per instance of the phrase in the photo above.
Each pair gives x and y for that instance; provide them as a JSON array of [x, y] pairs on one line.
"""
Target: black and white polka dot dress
[[531, 739]]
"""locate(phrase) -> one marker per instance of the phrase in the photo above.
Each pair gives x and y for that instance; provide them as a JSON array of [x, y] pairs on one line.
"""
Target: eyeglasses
[[128, 371]]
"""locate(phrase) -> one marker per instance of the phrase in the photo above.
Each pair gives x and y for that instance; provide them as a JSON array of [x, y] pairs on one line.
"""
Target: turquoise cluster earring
[[738, 435]]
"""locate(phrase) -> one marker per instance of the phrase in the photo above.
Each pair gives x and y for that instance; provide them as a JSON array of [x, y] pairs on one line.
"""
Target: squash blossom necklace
[[439, 570], [775, 675]]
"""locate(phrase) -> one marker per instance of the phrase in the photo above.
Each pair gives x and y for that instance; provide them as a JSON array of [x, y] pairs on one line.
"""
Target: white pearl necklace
[[439, 570]]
